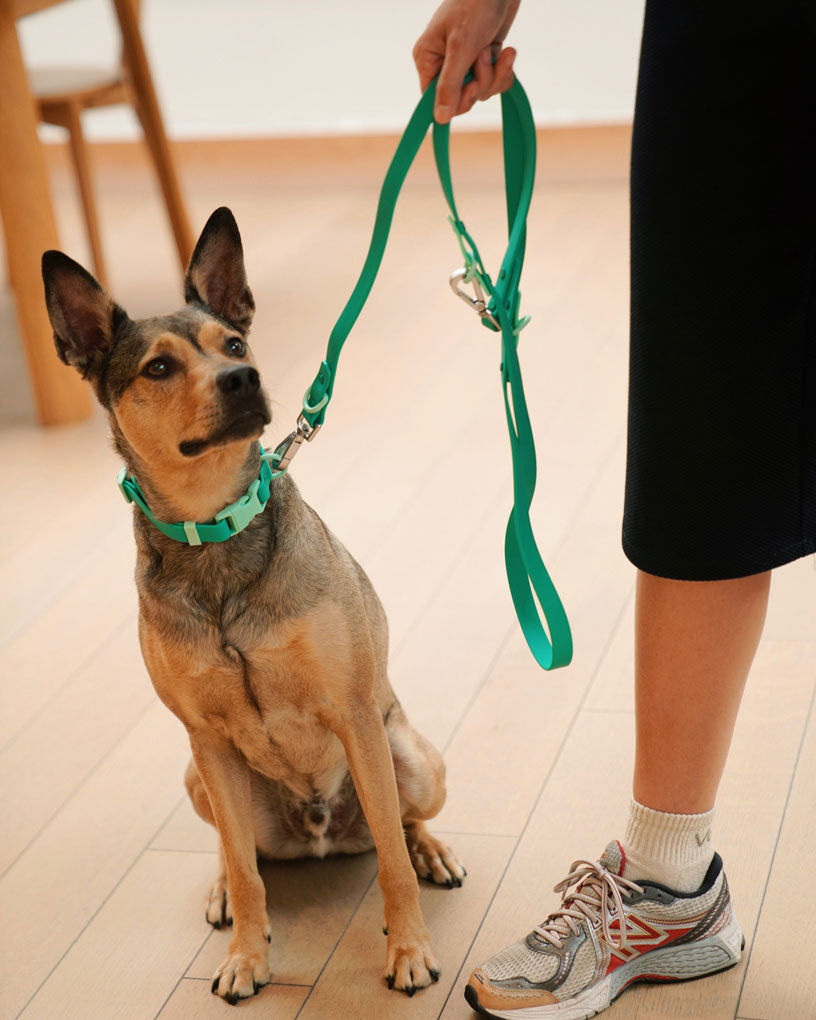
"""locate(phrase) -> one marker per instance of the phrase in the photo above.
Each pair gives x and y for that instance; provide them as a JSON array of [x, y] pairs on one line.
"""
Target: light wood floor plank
[[792, 601], [781, 980], [65, 875], [521, 714], [184, 830], [124, 962], [49, 473], [48, 760], [41, 571], [309, 903], [192, 998], [44, 655], [613, 689], [352, 984]]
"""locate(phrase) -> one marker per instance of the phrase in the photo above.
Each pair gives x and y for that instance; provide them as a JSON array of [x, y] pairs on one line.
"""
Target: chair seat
[[90, 86]]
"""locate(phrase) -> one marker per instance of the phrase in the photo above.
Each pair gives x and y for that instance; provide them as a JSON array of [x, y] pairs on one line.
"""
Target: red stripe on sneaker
[[641, 938]]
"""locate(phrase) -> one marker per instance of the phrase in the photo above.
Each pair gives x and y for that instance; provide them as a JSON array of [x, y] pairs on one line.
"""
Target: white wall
[[264, 67]]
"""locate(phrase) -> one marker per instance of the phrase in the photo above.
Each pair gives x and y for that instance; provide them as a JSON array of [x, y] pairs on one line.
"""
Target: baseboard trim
[[582, 153]]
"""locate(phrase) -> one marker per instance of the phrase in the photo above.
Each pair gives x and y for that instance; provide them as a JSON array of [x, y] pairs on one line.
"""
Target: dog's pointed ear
[[216, 276], [84, 317]]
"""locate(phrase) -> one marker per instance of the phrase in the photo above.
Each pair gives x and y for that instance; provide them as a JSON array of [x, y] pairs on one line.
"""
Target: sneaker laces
[[598, 892]]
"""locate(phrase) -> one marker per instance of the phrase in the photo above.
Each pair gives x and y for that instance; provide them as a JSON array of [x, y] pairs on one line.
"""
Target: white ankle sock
[[674, 850]]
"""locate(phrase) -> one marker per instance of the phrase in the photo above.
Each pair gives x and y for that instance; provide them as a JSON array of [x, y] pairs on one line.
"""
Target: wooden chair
[[63, 93]]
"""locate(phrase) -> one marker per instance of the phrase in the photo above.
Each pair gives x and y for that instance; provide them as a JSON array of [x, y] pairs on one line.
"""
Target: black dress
[[721, 455]]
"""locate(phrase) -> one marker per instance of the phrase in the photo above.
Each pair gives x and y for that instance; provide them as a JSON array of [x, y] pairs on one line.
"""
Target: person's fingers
[[483, 73], [449, 88], [490, 79], [428, 61], [468, 98], [503, 76]]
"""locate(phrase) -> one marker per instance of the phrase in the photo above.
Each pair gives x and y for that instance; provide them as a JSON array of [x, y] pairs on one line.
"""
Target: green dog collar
[[226, 523]]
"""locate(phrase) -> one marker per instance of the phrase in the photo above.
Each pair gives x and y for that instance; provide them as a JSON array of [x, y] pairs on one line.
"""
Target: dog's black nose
[[242, 381]]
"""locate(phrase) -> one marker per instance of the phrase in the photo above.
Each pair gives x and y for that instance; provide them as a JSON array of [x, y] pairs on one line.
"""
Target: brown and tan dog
[[271, 647]]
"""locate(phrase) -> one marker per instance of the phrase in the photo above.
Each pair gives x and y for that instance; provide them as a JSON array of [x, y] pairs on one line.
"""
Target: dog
[[270, 647]]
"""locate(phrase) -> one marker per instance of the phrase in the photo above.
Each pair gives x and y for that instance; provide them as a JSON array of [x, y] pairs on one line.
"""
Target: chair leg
[[147, 108], [165, 170], [27, 219], [79, 152]]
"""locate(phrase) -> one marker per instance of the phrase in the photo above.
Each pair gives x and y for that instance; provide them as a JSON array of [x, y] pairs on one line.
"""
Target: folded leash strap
[[534, 594]]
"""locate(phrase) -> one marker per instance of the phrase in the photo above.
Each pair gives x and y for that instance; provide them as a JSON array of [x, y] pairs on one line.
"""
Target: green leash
[[530, 584], [526, 573]]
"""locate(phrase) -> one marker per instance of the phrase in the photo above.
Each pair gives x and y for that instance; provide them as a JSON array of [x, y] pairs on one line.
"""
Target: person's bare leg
[[694, 645]]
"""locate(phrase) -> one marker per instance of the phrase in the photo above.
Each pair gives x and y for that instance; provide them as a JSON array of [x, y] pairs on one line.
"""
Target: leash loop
[[497, 304], [533, 592]]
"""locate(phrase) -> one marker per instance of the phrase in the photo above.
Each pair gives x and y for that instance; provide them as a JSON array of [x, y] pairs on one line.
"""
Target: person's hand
[[464, 34]]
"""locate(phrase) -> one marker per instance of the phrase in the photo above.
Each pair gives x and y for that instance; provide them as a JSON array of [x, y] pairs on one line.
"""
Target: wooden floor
[[104, 867]]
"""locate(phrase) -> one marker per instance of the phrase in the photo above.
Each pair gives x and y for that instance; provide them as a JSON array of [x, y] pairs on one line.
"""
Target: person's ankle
[[672, 849]]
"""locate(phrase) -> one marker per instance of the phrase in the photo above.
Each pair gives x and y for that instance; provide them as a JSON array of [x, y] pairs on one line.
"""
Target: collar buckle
[[243, 510]]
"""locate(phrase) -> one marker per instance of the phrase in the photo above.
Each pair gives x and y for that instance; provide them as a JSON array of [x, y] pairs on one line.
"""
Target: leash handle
[[533, 592]]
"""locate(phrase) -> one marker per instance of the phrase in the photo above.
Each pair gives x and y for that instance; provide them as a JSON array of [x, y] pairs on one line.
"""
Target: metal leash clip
[[477, 303], [284, 452]]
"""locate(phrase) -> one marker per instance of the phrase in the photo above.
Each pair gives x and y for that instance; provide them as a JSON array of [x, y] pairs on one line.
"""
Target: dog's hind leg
[[219, 910], [432, 859], [420, 773], [197, 793]]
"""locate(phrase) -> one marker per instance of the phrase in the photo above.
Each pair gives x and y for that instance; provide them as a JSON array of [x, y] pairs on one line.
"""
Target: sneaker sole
[[681, 963]]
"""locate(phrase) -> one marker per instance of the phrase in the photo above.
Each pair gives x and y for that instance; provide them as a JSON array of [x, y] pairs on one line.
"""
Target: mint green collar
[[226, 523]]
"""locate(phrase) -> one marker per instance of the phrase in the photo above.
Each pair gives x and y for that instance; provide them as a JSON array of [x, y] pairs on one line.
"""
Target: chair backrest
[[23, 7]]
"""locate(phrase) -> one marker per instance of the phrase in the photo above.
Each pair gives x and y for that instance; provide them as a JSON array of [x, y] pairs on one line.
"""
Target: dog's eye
[[235, 346], [157, 368]]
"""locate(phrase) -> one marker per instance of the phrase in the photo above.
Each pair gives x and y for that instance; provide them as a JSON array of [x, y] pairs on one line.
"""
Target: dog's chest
[[269, 698], [297, 744], [269, 709], [266, 684]]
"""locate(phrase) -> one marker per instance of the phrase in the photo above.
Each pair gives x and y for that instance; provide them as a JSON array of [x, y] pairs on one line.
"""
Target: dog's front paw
[[432, 859], [410, 962], [243, 971]]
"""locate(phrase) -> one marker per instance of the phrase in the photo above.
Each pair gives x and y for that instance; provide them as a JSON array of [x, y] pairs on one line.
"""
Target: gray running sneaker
[[608, 933]]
